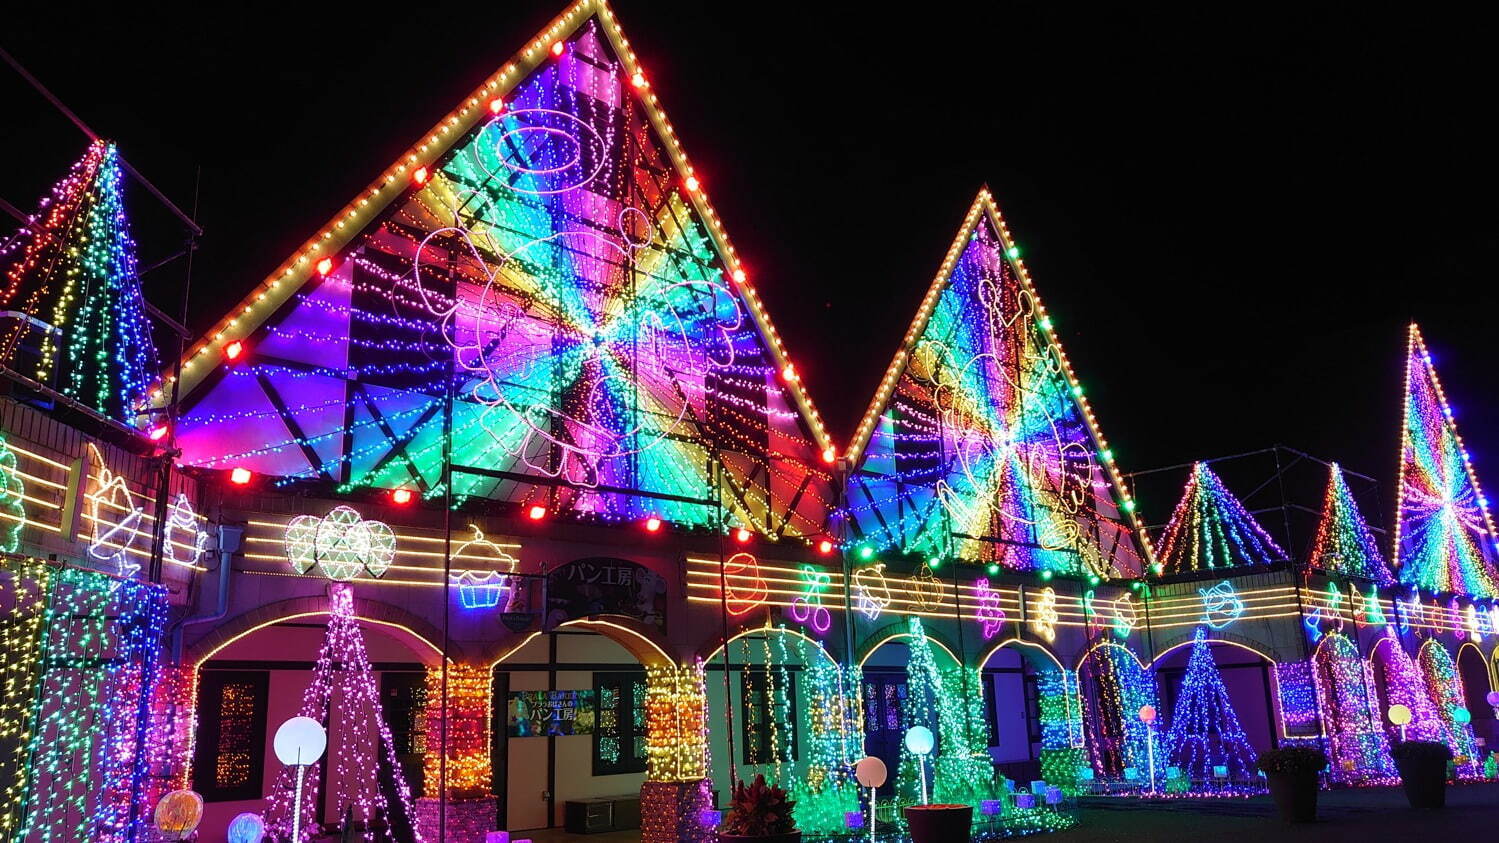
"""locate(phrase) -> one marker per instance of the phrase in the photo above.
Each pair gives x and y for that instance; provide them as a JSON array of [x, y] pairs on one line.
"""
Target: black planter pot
[[939, 823], [1295, 795], [1425, 782], [788, 837]]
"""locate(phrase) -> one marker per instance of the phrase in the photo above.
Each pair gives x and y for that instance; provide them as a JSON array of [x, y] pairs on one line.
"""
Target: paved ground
[[1372, 814], [1369, 815]]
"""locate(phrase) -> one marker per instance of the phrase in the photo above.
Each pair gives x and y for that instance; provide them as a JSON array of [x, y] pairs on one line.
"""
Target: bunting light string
[[978, 445], [1444, 535], [1210, 530], [612, 347], [71, 278]]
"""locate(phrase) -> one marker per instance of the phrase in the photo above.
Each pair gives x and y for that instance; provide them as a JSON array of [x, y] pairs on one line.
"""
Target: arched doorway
[[251, 682], [1346, 699], [1246, 676], [1115, 685], [1033, 714], [780, 706], [1473, 668]]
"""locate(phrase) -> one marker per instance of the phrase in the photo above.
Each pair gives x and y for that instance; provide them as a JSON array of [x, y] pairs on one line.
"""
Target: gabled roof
[[540, 289], [995, 395], [1444, 534], [302, 265]]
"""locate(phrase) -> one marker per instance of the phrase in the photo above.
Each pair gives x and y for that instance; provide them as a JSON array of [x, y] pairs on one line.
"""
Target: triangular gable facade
[[1211, 530], [979, 445], [545, 258], [1445, 538]]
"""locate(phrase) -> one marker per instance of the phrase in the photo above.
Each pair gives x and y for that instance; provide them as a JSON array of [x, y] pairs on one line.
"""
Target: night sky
[[1231, 214]]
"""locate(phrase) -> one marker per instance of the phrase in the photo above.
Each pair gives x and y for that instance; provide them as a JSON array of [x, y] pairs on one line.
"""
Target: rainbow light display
[[1344, 544], [70, 277], [1205, 731], [555, 279], [1116, 686], [979, 445], [1404, 685], [1210, 530], [1444, 535], [359, 741], [1445, 688], [1346, 698]]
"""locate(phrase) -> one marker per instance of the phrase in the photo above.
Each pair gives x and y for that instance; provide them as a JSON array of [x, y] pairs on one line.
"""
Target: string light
[[359, 741], [1211, 530], [1205, 733], [1118, 686], [1444, 685], [12, 499], [467, 736], [1345, 695], [1344, 544]]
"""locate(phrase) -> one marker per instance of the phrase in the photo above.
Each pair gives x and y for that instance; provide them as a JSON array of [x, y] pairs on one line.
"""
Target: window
[[619, 734], [229, 763], [768, 711]]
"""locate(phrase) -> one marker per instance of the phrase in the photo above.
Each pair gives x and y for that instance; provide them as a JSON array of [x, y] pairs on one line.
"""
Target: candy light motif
[[584, 301], [1444, 534], [990, 614], [1344, 544], [341, 544], [1221, 605], [485, 588], [114, 515], [1210, 530], [978, 445], [77, 320], [871, 590], [808, 608]]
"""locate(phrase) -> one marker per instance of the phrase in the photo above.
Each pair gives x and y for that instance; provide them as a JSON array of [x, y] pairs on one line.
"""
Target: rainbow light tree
[[365, 772], [77, 319], [543, 274], [1205, 738], [1344, 544], [979, 444], [1210, 530], [1444, 535]]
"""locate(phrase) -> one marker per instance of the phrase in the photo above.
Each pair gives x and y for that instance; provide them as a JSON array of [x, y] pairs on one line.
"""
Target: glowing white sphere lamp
[[299, 743]]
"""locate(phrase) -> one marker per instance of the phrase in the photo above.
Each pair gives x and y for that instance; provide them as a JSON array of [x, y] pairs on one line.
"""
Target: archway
[[253, 674], [568, 722], [1033, 714], [1246, 675], [779, 705], [1397, 681], [1115, 686], [1473, 668], [1346, 699]]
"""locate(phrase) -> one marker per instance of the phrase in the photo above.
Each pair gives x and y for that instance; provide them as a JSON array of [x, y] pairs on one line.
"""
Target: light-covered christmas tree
[[72, 317], [1205, 739]]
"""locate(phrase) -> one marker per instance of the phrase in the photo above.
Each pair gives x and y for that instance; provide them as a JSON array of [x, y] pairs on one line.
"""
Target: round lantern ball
[[1400, 715], [919, 740], [1493, 698], [1462, 715], [246, 828], [1147, 713], [300, 741], [178, 814], [870, 771]]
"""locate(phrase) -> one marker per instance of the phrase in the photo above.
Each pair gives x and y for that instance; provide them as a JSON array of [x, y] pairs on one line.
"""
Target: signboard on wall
[[603, 585], [537, 714]]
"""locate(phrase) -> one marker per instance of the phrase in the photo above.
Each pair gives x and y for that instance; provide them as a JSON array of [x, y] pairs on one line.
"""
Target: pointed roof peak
[[1210, 530], [1344, 544]]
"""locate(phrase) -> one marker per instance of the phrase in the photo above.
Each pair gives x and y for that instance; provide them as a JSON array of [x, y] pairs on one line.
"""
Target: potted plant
[[759, 813], [1423, 772], [939, 823], [1292, 776]]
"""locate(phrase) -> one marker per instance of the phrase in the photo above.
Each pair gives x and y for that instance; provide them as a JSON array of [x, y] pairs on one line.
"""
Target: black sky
[[1232, 211]]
